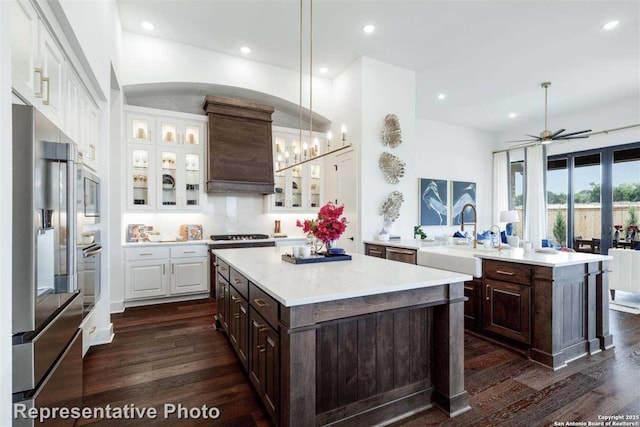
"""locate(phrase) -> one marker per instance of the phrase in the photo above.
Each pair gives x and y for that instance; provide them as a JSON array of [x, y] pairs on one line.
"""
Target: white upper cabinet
[[297, 188], [45, 78], [53, 70], [165, 160], [24, 48], [140, 128]]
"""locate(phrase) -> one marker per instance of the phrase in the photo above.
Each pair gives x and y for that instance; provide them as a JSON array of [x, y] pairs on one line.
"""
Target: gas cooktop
[[238, 236]]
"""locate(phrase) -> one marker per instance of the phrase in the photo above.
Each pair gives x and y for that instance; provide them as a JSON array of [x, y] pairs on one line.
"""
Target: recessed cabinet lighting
[[513, 115], [245, 50], [610, 25], [147, 25], [441, 96], [369, 29], [323, 70]]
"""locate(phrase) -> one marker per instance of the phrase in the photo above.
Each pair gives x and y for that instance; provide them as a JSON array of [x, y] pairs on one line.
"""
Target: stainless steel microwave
[[90, 197]]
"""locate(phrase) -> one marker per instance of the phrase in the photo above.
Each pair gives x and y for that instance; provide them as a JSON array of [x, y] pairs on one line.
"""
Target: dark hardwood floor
[[171, 353]]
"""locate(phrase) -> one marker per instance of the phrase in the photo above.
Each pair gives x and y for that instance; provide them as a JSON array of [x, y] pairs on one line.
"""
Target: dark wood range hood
[[240, 156]]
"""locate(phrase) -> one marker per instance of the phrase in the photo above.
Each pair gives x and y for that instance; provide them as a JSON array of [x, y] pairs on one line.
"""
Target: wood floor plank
[[170, 353]]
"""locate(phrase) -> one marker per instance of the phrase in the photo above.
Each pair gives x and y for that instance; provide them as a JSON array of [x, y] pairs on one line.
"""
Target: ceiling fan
[[547, 136]]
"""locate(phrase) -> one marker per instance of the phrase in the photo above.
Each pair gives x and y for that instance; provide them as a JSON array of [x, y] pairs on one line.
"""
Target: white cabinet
[[53, 69], [44, 77], [165, 271], [165, 160], [38, 64], [24, 50], [146, 279], [140, 127], [189, 275], [299, 188]]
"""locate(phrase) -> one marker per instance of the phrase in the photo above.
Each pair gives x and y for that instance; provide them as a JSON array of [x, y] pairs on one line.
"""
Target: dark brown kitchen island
[[356, 342]]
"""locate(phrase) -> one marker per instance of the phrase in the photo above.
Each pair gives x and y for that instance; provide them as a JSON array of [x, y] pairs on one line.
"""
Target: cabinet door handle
[[488, 293], [46, 80], [237, 281], [146, 254], [189, 252], [375, 251], [505, 273], [242, 309], [233, 298], [172, 268], [236, 316], [163, 269], [38, 94], [260, 302]]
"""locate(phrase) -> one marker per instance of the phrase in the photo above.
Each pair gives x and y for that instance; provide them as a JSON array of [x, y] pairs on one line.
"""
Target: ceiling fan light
[[546, 141]]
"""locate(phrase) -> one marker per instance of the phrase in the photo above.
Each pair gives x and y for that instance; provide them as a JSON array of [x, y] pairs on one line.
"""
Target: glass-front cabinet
[[174, 131], [165, 157], [297, 188], [139, 167]]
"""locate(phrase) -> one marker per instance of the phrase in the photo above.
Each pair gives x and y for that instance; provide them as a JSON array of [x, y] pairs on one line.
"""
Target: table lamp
[[509, 217]]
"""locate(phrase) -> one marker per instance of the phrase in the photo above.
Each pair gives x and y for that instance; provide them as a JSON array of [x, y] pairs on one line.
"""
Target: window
[[557, 201], [516, 193]]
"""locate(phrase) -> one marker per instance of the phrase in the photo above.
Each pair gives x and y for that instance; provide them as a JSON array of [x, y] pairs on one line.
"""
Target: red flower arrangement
[[328, 226]]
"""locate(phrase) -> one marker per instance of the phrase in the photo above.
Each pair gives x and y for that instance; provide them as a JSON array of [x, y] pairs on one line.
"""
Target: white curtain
[[500, 185], [535, 226]]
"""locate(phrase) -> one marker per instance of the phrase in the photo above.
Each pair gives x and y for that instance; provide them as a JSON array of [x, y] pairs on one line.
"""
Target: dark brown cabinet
[[473, 304], [222, 303], [264, 369], [392, 253], [377, 251], [240, 155], [238, 325], [507, 310]]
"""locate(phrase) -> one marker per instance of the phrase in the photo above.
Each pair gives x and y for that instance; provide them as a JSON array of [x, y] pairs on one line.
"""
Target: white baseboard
[[116, 307], [165, 300], [103, 336]]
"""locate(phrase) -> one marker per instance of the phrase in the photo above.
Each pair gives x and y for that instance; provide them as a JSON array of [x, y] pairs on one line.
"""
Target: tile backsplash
[[221, 214]]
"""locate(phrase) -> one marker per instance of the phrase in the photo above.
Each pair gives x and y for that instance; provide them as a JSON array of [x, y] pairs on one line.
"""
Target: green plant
[[633, 217], [560, 229]]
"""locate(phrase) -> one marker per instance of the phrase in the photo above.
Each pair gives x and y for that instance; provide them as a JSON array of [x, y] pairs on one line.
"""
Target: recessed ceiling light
[[323, 70], [369, 29], [610, 25], [147, 25], [441, 96], [513, 115], [245, 50]]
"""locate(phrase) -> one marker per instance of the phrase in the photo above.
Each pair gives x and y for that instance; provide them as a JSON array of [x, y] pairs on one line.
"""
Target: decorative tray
[[315, 258]]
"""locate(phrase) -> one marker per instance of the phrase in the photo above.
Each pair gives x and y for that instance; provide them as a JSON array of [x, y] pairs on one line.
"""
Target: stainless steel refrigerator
[[47, 305]]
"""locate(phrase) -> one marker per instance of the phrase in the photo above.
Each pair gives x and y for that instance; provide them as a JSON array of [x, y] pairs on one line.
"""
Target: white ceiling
[[489, 57]]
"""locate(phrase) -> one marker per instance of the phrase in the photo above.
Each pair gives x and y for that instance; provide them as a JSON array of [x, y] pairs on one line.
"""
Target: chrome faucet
[[475, 222]]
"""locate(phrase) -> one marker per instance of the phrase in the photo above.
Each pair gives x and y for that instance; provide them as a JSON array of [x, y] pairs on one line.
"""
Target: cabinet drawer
[[223, 268], [148, 252], [508, 272], [377, 251], [189, 251], [239, 282], [408, 256], [266, 306]]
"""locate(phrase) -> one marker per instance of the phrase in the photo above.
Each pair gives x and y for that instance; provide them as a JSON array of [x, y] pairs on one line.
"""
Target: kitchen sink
[[460, 259]]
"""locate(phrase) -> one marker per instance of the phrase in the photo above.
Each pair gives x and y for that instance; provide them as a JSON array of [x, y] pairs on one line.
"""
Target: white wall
[[153, 60], [387, 89], [97, 37], [617, 113], [455, 153], [5, 212]]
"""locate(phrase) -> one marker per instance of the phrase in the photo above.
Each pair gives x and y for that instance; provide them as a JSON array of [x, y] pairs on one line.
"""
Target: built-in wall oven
[[89, 192]]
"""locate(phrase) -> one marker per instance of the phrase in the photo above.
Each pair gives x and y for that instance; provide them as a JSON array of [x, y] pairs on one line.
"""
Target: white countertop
[[301, 284], [211, 242], [558, 259], [404, 243]]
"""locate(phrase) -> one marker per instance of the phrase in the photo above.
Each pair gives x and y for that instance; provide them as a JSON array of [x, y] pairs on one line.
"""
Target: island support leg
[[297, 377], [602, 306], [448, 328]]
